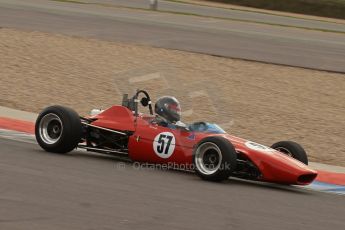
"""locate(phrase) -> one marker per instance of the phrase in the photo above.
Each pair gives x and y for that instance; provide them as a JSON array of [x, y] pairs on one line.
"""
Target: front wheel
[[214, 159], [292, 149], [58, 129]]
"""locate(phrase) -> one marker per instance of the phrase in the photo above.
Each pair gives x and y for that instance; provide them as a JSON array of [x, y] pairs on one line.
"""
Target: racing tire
[[58, 129], [214, 159], [292, 149]]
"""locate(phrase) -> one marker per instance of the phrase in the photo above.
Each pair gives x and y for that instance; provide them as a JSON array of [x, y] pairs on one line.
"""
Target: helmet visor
[[173, 108]]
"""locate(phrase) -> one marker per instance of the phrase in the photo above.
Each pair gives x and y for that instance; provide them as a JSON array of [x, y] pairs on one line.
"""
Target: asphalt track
[[40, 190], [272, 44]]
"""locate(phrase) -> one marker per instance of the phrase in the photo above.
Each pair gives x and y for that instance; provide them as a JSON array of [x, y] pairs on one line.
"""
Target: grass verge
[[324, 8], [198, 15]]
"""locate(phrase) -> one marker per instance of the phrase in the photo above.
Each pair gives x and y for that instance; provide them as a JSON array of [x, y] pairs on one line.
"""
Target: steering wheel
[[145, 101], [198, 126]]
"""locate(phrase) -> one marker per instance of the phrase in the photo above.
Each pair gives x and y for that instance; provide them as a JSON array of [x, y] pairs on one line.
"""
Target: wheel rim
[[50, 128], [208, 158], [285, 151]]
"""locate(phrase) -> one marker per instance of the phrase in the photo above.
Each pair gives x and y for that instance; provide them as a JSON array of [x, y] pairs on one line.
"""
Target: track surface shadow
[[231, 181]]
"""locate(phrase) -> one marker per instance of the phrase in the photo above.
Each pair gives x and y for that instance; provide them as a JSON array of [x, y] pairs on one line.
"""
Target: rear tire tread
[[71, 133]]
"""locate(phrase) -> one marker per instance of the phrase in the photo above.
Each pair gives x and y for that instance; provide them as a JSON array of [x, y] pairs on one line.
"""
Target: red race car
[[162, 139]]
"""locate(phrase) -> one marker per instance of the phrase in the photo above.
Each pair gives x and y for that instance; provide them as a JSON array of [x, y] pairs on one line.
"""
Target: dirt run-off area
[[262, 102]]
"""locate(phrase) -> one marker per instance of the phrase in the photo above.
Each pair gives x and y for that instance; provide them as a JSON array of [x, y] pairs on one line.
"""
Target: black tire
[[62, 132], [292, 149], [219, 146]]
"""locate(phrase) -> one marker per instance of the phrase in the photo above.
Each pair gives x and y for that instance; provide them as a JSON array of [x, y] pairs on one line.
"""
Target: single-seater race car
[[162, 139]]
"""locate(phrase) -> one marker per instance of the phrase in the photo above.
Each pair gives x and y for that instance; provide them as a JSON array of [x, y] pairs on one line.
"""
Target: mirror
[[144, 101]]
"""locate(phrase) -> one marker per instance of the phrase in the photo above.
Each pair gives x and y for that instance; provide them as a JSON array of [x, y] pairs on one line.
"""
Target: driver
[[168, 110]]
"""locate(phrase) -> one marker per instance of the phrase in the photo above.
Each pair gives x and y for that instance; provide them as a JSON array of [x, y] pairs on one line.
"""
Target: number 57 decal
[[164, 144]]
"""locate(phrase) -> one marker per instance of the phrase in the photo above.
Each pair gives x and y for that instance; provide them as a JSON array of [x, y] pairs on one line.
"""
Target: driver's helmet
[[168, 108]]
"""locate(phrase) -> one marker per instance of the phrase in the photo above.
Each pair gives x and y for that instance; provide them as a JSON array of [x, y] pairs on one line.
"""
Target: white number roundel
[[164, 144], [258, 147]]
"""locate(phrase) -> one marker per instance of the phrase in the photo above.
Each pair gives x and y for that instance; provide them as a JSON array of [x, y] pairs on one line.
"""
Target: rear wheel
[[292, 149], [214, 159], [58, 129]]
